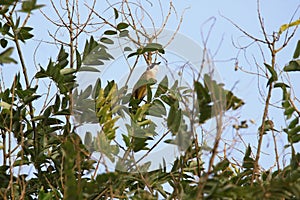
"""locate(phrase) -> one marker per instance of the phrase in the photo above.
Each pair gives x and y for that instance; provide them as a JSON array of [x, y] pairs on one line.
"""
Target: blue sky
[[244, 13]]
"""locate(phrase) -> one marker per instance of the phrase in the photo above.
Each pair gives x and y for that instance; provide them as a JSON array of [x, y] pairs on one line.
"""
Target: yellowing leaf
[[284, 27], [5, 105]]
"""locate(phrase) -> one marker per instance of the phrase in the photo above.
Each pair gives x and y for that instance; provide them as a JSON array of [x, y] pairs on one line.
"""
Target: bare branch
[[243, 31]]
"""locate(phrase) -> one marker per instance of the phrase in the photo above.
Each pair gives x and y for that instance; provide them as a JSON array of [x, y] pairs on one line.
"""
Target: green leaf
[[63, 112], [177, 120], [268, 126], [293, 65], [233, 101], [29, 5], [151, 47], [162, 87], [95, 52], [110, 32], [102, 143], [17, 23], [222, 166], [96, 89], [26, 93], [5, 56], [64, 102], [127, 49], [157, 109], [52, 121], [174, 118], [89, 46], [67, 71], [5, 29], [62, 64], [29, 99], [88, 69], [7, 2], [132, 54], [274, 76], [41, 74], [293, 123], [202, 93], [285, 104], [21, 162], [155, 46], [248, 162], [289, 111], [62, 55], [124, 33], [23, 33], [126, 140], [116, 13], [297, 50], [78, 60], [93, 62], [103, 55], [46, 195], [86, 93], [56, 103], [140, 144], [140, 50], [140, 113], [3, 42], [122, 25], [293, 135], [281, 85], [148, 48], [4, 8], [204, 102]]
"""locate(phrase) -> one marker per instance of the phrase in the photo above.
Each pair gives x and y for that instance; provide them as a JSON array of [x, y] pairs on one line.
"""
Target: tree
[[44, 155]]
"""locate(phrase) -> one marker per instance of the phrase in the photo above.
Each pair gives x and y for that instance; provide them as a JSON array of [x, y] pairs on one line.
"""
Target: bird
[[139, 90]]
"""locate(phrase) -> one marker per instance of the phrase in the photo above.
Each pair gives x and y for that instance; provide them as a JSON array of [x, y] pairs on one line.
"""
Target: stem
[[31, 109], [276, 150], [265, 115], [218, 107], [201, 184], [8, 155], [4, 147], [261, 133]]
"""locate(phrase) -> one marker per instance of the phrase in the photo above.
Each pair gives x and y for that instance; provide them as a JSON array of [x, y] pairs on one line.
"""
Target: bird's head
[[153, 65]]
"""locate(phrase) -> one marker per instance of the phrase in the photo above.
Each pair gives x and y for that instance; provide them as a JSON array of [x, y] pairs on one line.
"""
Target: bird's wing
[[140, 88], [140, 92], [140, 83]]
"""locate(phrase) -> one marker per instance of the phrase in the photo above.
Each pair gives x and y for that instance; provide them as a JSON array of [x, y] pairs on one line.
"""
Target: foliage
[[63, 167]]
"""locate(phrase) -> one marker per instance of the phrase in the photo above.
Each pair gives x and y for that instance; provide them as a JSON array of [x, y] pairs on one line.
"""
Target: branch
[[243, 31]]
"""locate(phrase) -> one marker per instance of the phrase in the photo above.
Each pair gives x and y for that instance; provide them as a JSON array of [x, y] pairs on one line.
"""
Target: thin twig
[[243, 31]]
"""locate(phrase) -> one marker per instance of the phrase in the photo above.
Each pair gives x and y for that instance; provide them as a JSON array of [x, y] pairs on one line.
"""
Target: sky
[[246, 86], [197, 19]]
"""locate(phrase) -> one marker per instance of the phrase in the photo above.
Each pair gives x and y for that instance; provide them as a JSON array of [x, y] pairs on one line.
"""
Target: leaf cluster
[[62, 166]]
